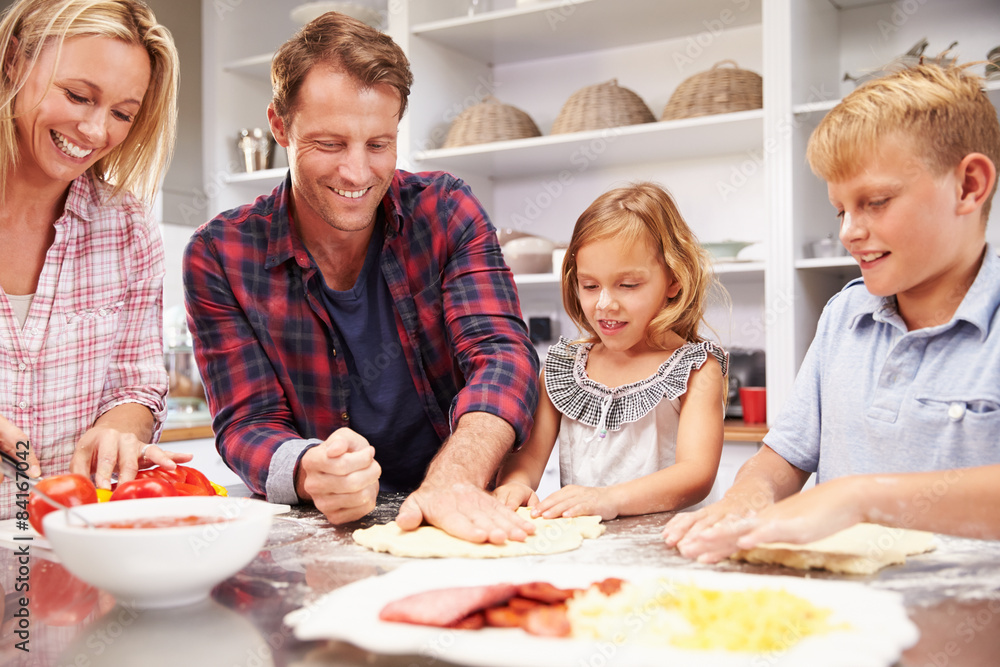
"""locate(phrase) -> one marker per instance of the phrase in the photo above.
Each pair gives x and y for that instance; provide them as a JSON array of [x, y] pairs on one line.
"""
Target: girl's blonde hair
[[29, 26], [645, 213]]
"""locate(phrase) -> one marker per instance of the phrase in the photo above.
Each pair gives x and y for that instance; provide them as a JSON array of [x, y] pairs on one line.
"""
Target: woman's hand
[[516, 494], [575, 500], [104, 449], [10, 435]]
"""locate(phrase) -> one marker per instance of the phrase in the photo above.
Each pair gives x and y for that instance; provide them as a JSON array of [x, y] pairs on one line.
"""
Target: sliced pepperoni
[[545, 592], [505, 617], [547, 621], [445, 606], [473, 621], [609, 586]]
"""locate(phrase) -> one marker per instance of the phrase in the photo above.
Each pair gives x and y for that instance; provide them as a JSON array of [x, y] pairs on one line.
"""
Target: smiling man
[[358, 329]]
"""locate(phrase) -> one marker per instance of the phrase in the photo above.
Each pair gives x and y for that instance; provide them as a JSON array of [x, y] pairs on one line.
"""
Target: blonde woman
[[87, 115]]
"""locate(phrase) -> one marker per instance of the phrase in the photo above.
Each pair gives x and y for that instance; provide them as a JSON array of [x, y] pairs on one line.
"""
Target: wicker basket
[[718, 90], [489, 121], [601, 106]]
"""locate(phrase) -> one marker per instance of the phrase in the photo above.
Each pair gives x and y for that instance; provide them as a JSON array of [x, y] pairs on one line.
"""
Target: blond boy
[[897, 404]]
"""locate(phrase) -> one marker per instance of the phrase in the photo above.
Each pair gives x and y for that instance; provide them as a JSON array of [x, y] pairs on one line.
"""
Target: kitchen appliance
[[746, 369], [185, 392]]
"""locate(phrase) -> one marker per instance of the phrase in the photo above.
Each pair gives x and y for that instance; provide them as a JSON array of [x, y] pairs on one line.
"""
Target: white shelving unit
[[737, 176]]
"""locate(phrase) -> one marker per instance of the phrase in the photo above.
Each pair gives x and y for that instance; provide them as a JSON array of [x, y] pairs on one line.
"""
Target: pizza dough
[[551, 536], [863, 548]]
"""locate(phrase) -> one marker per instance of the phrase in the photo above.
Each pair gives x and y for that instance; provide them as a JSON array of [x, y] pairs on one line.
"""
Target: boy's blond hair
[[943, 110], [28, 26]]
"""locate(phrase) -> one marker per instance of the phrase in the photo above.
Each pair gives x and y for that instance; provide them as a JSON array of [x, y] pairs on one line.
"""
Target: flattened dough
[[551, 536], [863, 548]]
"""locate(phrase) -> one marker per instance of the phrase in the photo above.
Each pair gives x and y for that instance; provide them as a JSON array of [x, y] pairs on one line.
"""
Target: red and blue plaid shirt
[[267, 350]]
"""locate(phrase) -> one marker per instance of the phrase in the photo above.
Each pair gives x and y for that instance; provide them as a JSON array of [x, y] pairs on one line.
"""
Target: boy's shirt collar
[[978, 307]]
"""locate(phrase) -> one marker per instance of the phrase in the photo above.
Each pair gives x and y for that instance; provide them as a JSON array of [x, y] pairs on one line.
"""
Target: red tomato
[[183, 489], [180, 476], [197, 478], [70, 490], [57, 597], [172, 476], [150, 487]]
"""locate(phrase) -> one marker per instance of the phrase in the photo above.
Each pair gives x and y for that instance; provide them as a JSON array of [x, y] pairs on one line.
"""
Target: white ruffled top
[[612, 435]]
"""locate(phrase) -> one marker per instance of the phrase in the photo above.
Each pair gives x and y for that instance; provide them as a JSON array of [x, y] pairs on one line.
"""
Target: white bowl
[[150, 568]]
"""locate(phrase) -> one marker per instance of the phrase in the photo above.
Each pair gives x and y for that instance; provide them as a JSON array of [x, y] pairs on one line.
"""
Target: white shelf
[[721, 268], [536, 279], [825, 262], [738, 268], [684, 139], [257, 67], [992, 88], [559, 28], [262, 176]]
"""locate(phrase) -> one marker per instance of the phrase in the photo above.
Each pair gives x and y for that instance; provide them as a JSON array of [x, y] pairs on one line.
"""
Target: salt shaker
[[255, 148]]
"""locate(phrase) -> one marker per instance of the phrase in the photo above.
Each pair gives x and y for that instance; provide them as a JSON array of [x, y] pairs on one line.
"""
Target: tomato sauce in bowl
[[162, 522]]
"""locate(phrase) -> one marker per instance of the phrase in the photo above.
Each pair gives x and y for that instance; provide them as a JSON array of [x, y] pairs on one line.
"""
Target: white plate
[[879, 627]]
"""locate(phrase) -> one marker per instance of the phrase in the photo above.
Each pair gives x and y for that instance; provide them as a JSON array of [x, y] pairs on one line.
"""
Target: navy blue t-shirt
[[384, 405]]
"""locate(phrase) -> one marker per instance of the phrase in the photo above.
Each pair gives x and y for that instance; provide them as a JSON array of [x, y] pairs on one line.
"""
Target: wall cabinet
[[737, 176]]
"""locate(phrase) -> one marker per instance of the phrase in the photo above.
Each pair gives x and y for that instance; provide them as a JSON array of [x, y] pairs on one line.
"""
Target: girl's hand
[[103, 449], [575, 500], [516, 494]]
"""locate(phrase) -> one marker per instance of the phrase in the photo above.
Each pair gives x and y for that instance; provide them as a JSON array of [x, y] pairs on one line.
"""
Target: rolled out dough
[[864, 548], [551, 536]]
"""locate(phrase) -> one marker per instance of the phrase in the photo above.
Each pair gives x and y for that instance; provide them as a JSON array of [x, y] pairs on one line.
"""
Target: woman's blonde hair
[[645, 213], [29, 26], [943, 111]]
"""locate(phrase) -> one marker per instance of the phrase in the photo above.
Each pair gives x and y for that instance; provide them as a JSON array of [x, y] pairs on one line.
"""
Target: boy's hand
[[515, 494], [810, 515], [575, 500], [710, 534]]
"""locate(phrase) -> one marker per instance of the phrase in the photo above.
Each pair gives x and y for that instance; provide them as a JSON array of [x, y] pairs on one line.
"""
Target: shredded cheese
[[762, 620]]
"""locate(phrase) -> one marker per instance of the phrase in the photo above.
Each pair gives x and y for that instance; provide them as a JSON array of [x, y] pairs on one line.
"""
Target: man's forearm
[[473, 452]]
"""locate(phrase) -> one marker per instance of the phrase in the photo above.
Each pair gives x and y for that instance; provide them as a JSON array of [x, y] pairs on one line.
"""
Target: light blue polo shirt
[[872, 397]]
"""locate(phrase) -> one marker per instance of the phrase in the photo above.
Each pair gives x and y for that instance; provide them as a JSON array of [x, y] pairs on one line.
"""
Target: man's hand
[[340, 476], [465, 511], [453, 497]]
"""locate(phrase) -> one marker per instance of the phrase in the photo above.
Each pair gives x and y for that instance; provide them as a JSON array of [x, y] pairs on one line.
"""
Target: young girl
[[638, 404]]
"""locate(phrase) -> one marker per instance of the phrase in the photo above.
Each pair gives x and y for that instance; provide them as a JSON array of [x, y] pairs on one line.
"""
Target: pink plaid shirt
[[93, 336]]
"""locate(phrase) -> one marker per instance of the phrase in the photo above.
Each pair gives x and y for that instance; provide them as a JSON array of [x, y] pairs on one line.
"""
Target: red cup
[[754, 402]]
